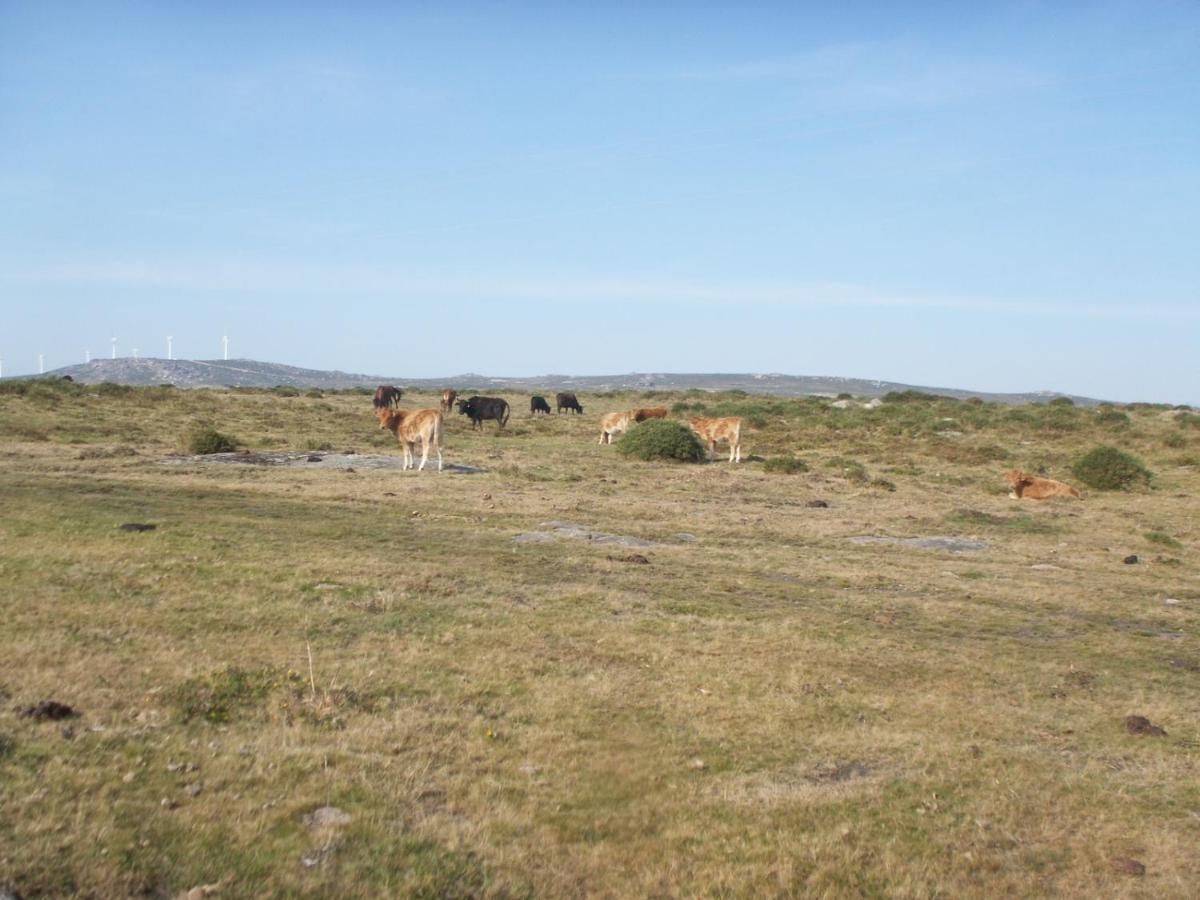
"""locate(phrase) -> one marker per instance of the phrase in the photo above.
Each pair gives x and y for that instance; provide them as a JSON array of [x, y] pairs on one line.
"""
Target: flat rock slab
[[308, 459], [955, 544], [552, 531]]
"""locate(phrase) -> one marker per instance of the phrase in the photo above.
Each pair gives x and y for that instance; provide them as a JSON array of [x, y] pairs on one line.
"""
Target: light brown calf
[[1031, 487], [412, 425], [711, 430], [656, 412], [613, 424]]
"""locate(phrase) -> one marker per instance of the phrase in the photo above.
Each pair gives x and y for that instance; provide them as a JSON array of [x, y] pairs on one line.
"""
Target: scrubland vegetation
[[758, 703]]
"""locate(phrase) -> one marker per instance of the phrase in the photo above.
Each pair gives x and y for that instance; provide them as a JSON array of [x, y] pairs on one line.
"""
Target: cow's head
[[384, 415], [464, 407], [1017, 478]]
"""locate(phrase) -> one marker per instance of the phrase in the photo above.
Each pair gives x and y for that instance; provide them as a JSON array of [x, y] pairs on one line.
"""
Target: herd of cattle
[[425, 426]]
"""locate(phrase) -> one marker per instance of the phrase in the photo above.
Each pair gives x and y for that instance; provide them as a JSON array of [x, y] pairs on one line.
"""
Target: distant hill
[[251, 373]]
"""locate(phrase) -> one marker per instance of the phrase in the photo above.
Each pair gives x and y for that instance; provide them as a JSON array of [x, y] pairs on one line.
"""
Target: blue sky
[[988, 196]]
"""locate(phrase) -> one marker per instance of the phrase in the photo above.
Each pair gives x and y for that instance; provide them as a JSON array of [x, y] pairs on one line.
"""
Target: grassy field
[[767, 707]]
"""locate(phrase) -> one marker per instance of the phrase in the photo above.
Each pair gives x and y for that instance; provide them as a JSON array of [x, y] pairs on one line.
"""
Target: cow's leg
[[424, 452]]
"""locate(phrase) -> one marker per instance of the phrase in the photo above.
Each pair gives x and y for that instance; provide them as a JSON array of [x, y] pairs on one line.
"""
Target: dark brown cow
[[656, 412], [566, 400], [449, 395], [387, 397]]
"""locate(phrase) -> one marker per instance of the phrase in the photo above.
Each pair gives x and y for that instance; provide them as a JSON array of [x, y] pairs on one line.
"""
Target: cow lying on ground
[[479, 408], [538, 405], [412, 425], [1031, 487], [711, 430], [387, 396], [449, 395], [566, 400], [614, 423], [656, 412]]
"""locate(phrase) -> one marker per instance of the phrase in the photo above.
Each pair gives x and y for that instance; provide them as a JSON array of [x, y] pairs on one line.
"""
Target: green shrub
[[785, 465], [1188, 420], [1175, 440], [661, 439], [1062, 401], [1110, 469], [207, 440], [1112, 417], [911, 396], [883, 484]]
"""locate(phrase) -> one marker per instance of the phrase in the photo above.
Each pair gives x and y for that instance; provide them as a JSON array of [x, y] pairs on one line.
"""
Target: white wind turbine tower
[[1, 366], [87, 355], [41, 364], [169, 354], [135, 356], [225, 344], [114, 348]]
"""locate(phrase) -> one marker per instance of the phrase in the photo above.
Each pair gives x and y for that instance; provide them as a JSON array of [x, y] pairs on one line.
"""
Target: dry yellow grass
[[768, 709]]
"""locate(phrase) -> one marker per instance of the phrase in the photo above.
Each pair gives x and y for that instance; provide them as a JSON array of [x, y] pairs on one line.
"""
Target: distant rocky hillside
[[211, 373], [250, 373]]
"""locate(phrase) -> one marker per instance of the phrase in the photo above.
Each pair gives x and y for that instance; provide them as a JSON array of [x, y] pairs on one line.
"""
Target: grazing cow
[[387, 397], [480, 408], [1031, 487], [538, 405], [712, 430], [566, 400], [449, 395], [614, 423], [410, 426], [655, 412]]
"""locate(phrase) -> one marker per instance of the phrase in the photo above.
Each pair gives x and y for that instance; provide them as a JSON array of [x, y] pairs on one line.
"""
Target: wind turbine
[[169, 354], [135, 356], [87, 355], [225, 344], [41, 364], [1, 366], [114, 348]]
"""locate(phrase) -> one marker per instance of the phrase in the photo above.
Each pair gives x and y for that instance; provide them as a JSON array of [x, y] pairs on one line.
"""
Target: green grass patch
[[206, 440], [785, 465], [1162, 538]]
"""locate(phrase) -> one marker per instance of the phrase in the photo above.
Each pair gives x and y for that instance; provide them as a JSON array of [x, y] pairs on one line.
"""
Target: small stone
[[1140, 725], [128, 777], [326, 815], [167, 803], [697, 764], [1131, 559], [1171, 601], [194, 789], [1046, 567], [1128, 865]]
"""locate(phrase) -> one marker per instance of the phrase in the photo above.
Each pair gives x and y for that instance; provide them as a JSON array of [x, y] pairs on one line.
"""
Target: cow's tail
[[507, 410]]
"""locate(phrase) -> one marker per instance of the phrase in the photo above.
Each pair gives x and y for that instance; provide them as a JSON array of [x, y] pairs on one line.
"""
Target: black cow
[[566, 400], [480, 408], [538, 405], [387, 397]]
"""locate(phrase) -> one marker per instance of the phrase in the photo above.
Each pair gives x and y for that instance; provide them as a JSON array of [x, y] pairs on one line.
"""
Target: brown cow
[[410, 426], [614, 423], [1031, 487], [656, 412], [449, 395], [711, 430], [387, 397]]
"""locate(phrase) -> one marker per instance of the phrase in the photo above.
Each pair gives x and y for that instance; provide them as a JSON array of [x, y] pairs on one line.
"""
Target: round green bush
[[785, 465], [206, 440], [661, 439], [1110, 469]]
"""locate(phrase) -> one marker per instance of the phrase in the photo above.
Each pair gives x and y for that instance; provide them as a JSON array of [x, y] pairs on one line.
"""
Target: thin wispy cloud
[[873, 74], [343, 280]]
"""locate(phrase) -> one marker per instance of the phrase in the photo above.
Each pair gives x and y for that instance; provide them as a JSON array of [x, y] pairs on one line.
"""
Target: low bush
[[850, 469], [785, 465], [1112, 417], [1062, 401], [1109, 469], [1161, 537], [207, 440], [661, 439]]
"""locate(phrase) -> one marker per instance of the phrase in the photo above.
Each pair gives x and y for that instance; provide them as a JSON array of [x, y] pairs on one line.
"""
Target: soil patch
[[345, 461], [954, 544]]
